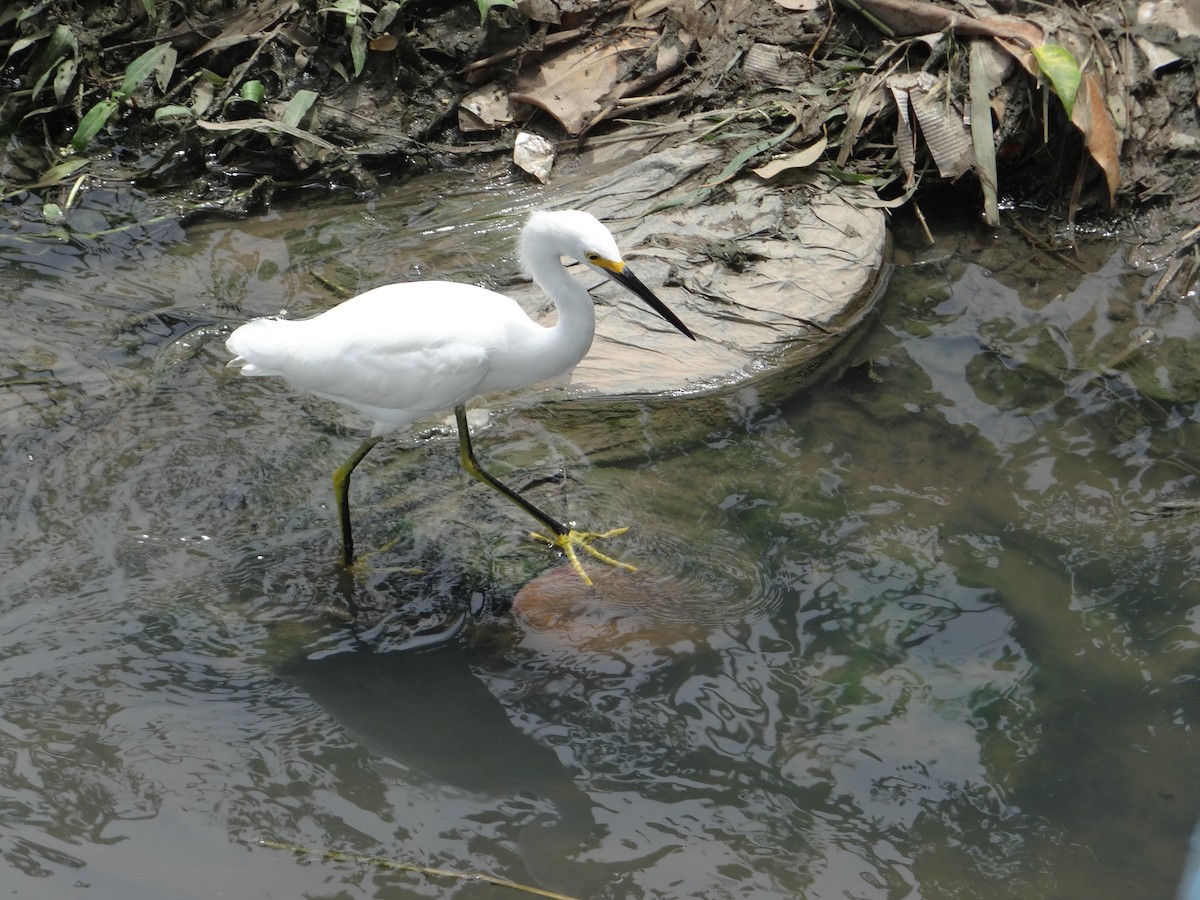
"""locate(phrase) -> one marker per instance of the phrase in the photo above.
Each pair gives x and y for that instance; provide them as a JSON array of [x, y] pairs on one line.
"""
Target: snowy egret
[[403, 351]]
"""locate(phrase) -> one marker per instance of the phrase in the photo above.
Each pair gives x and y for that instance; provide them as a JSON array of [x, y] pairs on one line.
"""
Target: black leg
[[341, 491], [567, 539], [466, 456]]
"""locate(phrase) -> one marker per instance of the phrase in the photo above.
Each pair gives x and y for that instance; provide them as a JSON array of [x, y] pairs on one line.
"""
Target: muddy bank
[[1089, 114]]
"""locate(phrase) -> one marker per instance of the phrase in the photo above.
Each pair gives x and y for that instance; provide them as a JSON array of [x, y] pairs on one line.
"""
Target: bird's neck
[[568, 340]]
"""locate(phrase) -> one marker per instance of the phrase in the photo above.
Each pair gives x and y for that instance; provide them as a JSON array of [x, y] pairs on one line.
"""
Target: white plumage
[[403, 351]]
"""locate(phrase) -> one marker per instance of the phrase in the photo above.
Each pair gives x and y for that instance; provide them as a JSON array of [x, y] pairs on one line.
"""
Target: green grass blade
[[141, 69], [300, 104], [91, 123]]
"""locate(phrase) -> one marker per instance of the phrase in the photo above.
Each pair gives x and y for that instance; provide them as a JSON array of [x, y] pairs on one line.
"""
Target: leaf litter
[[897, 94]]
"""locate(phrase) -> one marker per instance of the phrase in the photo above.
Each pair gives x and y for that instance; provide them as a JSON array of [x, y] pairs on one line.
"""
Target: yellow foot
[[362, 564], [583, 540]]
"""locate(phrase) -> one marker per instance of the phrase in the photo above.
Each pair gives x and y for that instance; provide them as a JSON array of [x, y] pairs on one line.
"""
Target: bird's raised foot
[[583, 540]]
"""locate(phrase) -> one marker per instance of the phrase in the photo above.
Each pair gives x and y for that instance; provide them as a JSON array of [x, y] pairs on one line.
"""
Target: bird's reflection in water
[[428, 712]]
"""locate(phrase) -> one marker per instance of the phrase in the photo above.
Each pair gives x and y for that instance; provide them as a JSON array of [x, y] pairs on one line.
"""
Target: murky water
[[923, 631]]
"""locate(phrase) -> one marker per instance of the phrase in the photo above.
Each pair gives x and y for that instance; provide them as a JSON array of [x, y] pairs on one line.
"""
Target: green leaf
[[41, 82], [297, 107], [58, 174], [384, 17], [1059, 66], [151, 10], [253, 92], [32, 10], [21, 44], [847, 177], [485, 6], [174, 112], [141, 69], [63, 76], [93, 121], [165, 69], [351, 9], [61, 42], [358, 49]]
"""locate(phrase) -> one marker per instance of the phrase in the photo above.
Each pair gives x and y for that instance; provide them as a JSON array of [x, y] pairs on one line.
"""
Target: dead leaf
[[985, 76], [944, 132], [487, 109], [248, 25], [1091, 116], [775, 65], [1157, 56], [801, 159], [941, 124], [906, 139], [574, 85], [1020, 49], [912, 17]]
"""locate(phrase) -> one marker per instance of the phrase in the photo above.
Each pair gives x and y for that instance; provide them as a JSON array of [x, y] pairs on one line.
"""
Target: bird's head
[[582, 236], [577, 234]]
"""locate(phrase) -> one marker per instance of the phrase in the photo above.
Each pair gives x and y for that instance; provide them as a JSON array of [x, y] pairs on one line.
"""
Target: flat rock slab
[[765, 276]]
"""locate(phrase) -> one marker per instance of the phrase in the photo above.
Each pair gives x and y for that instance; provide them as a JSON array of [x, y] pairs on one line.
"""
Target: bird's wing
[[410, 348]]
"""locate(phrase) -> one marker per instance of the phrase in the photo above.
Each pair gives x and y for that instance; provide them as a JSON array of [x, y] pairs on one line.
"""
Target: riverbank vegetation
[[1085, 110]]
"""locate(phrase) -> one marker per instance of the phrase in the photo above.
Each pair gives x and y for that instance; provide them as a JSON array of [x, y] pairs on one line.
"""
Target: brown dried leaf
[[574, 85], [1091, 116], [941, 124], [488, 109], [910, 17], [905, 139], [800, 5], [1090, 113], [944, 132]]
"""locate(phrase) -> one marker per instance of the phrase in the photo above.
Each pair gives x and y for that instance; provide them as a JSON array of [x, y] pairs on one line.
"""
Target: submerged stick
[[384, 863]]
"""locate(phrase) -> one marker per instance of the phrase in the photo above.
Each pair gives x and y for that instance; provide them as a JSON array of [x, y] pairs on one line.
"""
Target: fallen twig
[[1175, 261], [384, 863]]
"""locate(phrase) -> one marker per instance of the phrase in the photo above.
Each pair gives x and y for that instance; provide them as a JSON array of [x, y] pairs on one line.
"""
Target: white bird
[[403, 351]]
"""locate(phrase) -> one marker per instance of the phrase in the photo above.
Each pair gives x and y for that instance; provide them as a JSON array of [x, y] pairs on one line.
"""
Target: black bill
[[627, 279]]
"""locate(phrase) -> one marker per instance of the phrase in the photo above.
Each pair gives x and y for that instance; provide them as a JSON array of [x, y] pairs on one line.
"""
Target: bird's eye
[[593, 257]]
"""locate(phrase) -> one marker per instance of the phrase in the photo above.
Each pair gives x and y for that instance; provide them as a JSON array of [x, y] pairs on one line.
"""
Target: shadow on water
[[427, 717], [928, 630]]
